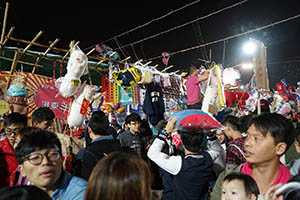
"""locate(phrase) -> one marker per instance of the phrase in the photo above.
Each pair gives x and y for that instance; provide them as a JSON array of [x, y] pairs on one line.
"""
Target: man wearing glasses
[[13, 123], [131, 138], [40, 160]]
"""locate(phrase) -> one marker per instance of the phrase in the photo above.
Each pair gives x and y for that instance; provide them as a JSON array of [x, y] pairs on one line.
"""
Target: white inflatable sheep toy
[[77, 66], [76, 119]]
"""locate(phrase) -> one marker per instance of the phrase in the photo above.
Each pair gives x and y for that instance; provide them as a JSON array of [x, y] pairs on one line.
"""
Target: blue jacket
[[71, 188]]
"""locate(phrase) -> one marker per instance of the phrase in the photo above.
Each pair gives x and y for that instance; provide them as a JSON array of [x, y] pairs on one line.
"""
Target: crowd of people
[[247, 158]]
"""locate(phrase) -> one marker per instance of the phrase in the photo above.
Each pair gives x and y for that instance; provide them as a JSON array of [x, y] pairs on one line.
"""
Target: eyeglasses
[[9, 132], [135, 123], [37, 158]]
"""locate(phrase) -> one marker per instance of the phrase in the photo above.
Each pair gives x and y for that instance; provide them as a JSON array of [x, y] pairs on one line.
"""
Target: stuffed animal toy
[[108, 53], [127, 78], [75, 118], [211, 100], [230, 76], [77, 66], [17, 97], [280, 105]]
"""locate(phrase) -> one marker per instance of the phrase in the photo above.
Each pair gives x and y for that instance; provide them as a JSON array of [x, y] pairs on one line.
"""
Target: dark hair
[[192, 140], [145, 128], [99, 123], [24, 192], [42, 114], [15, 118], [293, 194], [120, 176], [245, 122], [280, 128], [192, 68], [116, 125], [249, 183], [232, 121], [133, 117], [29, 129], [35, 141]]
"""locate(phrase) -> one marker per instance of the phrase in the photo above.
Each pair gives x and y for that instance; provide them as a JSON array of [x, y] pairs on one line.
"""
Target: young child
[[237, 185]]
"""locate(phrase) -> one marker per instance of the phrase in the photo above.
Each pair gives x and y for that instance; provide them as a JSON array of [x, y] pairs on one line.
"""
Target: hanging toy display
[[166, 57], [77, 67], [80, 106], [107, 53], [127, 78]]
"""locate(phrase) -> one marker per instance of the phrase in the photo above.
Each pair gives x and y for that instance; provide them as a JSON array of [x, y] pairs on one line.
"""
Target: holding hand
[[270, 194]]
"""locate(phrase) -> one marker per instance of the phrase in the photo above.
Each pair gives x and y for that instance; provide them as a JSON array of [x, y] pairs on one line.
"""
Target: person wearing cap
[[193, 172], [17, 98]]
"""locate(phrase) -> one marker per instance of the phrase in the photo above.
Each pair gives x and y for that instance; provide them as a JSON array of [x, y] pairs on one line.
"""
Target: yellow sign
[[75, 82], [3, 107]]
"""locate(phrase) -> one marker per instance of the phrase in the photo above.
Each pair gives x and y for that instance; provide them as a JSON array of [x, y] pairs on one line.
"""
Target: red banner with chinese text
[[46, 97], [41, 92]]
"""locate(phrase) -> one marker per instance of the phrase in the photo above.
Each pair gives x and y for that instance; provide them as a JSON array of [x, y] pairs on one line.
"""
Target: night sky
[[92, 22]]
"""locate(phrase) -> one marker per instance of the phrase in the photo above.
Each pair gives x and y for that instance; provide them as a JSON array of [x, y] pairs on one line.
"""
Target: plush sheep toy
[[75, 118], [77, 66]]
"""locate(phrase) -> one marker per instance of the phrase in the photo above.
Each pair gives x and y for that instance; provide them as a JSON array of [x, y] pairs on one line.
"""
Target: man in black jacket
[[101, 145]]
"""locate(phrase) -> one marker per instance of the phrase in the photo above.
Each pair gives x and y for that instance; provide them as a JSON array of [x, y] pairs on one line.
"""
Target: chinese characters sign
[[46, 97]]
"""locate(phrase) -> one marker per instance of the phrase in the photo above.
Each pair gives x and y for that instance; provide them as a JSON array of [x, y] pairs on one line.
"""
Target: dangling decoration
[[166, 57], [54, 66], [127, 78], [107, 51], [111, 93], [60, 68]]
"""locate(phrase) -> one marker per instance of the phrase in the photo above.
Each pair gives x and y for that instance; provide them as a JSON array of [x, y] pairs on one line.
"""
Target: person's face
[[234, 190], [134, 127], [271, 94], [45, 174], [12, 131], [17, 140], [220, 135], [45, 125], [256, 143]]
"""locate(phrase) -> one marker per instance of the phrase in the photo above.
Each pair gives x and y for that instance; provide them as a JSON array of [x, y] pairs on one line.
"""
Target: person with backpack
[[102, 143]]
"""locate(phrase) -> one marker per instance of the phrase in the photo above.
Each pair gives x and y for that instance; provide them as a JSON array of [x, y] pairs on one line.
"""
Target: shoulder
[[103, 146], [77, 188], [72, 187], [78, 182], [193, 78], [125, 133], [198, 159]]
